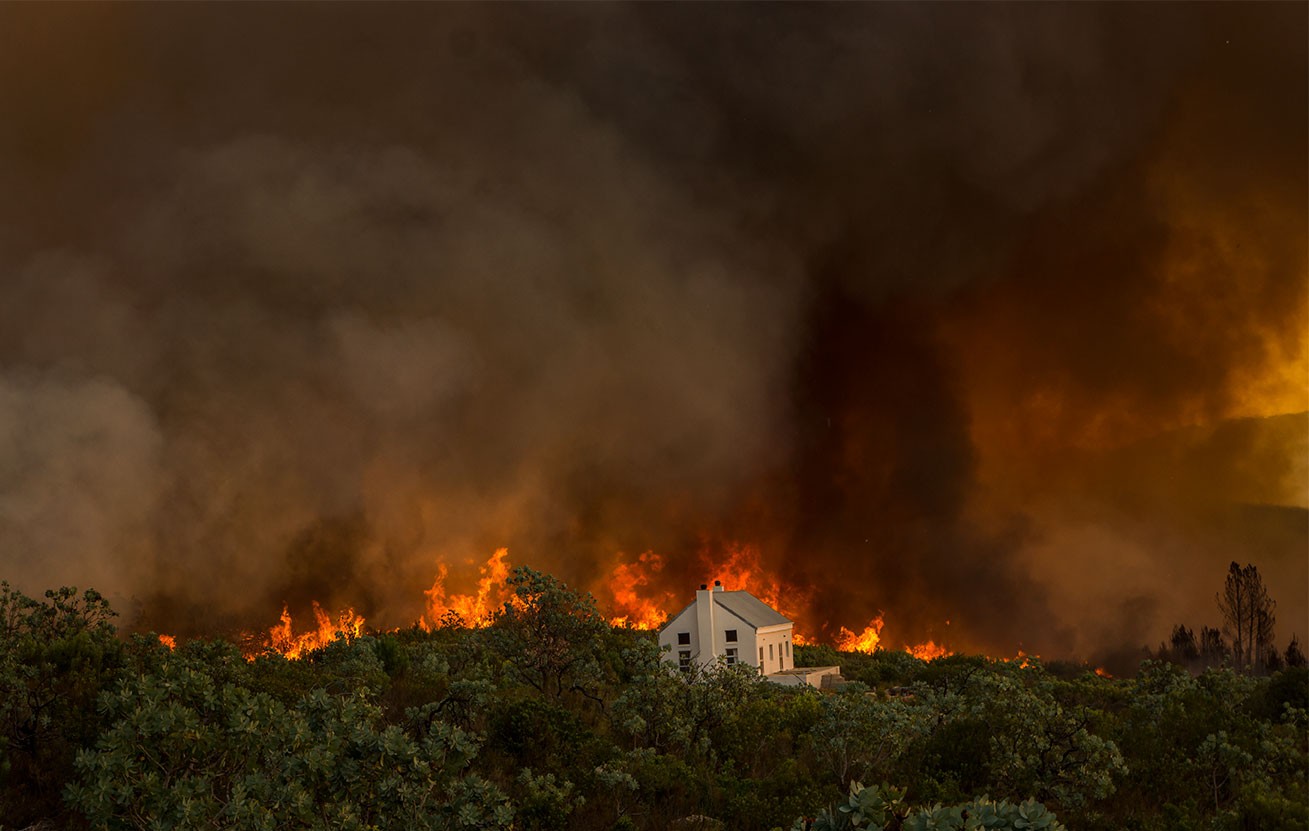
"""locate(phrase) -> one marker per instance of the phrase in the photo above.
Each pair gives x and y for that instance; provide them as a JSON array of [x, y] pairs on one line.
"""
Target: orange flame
[[865, 641], [1024, 660], [470, 609], [168, 641], [625, 585], [1100, 671], [928, 651], [742, 570], [283, 639], [635, 602]]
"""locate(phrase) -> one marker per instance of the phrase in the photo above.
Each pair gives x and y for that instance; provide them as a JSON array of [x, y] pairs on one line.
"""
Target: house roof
[[750, 609], [745, 606]]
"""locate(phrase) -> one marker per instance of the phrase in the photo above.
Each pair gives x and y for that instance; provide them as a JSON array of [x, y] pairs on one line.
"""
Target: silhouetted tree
[[1183, 645], [1213, 649], [1248, 617], [1294, 654]]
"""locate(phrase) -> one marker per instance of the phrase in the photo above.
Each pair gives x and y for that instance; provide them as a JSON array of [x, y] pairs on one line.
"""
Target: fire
[[472, 609], [168, 641], [928, 651], [743, 571], [1100, 671], [627, 583], [283, 639], [635, 602], [865, 641]]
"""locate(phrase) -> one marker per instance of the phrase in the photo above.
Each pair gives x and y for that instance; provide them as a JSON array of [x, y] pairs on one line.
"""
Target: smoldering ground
[[992, 314]]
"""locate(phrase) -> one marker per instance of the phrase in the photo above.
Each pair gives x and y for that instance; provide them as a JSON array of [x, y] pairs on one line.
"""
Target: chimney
[[704, 624], [718, 585]]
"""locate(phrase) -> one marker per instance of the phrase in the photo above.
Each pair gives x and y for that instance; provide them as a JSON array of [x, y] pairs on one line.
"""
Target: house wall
[[777, 649], [685, 622], [708, 636]]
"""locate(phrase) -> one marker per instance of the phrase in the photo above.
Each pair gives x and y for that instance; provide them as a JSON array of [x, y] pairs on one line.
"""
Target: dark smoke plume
[[992, 314]]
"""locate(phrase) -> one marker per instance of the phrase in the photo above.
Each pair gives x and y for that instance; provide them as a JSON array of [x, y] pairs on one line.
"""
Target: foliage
[[883, 808], [186, 751], [56, 655], [551, 719], [549, 636]]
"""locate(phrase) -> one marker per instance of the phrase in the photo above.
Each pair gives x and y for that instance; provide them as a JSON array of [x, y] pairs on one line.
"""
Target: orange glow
[[865, 641], [168, 641], [741, 570], [283, 639], [631, 595], [1024, 660], [627, 584], [472, 609], [928, 651], [1100, 671]]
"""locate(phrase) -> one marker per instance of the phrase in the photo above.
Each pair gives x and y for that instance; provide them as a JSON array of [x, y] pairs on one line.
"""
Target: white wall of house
[[773, 643], [703, 632]]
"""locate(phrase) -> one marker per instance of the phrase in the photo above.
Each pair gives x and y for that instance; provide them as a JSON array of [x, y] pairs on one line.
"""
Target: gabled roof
[[750, 609], [745, 606]]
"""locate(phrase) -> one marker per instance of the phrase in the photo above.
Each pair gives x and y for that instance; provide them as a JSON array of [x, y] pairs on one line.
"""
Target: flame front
[[168, 641], [627, 584], [632, 595], [283, 639], [469, 609], [928, 651], [865, 641], [742, 570]]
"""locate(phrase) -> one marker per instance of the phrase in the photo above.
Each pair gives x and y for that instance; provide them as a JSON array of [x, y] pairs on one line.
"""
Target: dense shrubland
[[551, 719]]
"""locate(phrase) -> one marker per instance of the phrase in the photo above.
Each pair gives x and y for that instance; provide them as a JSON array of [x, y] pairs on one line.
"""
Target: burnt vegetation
[[550, 718]]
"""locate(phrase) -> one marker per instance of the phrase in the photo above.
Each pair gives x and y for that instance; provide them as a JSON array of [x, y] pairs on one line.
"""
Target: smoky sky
[[992, 314]]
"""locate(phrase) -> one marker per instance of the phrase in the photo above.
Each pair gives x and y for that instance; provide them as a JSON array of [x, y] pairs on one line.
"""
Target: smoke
[[978, 314], [79, 480]]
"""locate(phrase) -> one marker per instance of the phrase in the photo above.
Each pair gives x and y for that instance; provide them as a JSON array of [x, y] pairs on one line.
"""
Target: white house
[[737, 626]]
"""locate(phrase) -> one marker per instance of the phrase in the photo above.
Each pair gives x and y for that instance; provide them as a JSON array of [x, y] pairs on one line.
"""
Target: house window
[[731, 655], [683, 638], [761, 657], [684, 660], [788, 649], [770, 652], [731, 636]]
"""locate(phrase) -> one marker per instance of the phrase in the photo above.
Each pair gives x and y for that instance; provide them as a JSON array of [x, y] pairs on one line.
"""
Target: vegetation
[[1248, 618], [1246, 640], [550, 719]]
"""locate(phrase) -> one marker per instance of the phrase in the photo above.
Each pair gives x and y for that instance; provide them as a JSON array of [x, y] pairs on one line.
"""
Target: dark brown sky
[[990, 313]]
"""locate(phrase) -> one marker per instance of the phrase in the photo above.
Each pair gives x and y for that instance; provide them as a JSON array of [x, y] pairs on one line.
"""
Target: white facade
[[736, 626]]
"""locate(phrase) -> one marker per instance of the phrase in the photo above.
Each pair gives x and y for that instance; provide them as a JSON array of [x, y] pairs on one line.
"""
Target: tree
[[551, 636], [56, 656], [1294, 655], [186, 750], [1248, 617], [1182, 646], [858, 735]]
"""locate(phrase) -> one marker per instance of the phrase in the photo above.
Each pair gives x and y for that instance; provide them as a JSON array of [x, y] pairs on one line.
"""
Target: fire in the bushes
[[283, 638], [470, 609], [633, 595]]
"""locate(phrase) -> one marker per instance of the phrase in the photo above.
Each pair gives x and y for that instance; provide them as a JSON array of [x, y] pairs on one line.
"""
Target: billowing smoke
[[991, 315]]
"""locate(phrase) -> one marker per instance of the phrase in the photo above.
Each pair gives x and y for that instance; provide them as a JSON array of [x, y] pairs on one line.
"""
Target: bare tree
[[1248, 617]]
